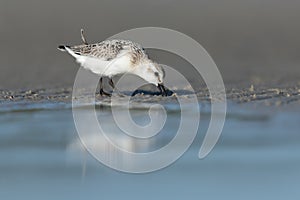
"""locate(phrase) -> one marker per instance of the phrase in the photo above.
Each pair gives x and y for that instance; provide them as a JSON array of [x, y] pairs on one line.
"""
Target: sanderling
[[112, 57]]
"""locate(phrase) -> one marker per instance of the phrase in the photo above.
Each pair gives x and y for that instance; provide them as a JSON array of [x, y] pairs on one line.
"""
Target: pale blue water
[[257, 157]]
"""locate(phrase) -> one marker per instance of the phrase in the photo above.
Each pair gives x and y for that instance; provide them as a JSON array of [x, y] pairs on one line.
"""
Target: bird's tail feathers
[[63, 47], [69, 50]]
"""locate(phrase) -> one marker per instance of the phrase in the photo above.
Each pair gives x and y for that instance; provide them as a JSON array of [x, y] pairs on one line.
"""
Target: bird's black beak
[[162, 89]]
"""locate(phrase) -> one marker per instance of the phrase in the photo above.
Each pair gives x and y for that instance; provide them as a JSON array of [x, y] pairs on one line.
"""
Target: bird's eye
[[156, 74]]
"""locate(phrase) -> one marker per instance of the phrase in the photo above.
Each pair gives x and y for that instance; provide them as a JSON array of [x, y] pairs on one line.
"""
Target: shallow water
[[257, 157]]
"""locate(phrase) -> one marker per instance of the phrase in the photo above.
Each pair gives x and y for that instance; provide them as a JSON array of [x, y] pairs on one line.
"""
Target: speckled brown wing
[[106, 50]]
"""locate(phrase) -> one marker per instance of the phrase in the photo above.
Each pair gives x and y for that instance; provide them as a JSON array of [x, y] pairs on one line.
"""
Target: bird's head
[[150, 72]]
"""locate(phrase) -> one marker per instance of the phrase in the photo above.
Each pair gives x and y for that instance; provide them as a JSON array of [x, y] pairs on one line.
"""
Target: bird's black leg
[[102, 92], [111, 83], [162, 90]]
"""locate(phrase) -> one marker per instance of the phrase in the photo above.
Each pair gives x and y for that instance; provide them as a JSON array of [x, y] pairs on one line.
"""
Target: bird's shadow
[[157, 93], [151, 93]]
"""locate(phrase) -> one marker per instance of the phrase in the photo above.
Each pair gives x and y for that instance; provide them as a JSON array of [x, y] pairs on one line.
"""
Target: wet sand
[[274, 97]]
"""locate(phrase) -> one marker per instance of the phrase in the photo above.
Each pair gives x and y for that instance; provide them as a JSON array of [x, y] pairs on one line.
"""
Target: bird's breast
[[119, 65]]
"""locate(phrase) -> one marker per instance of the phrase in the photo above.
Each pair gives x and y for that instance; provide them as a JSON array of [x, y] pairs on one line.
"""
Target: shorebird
[[112, 57]]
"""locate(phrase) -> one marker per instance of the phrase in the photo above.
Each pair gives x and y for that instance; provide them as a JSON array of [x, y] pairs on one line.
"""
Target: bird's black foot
[[111, 83], [103, 93], [162, 90]]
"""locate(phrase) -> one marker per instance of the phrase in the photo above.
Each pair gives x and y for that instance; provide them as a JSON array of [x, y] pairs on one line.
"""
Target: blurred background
[[251, 41]]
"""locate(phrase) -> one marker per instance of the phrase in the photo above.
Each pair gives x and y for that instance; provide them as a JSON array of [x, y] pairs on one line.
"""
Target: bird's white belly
[[109, 68]]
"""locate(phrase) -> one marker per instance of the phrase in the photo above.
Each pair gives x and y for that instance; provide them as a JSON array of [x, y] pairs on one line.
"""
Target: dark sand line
[[262, 96]]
